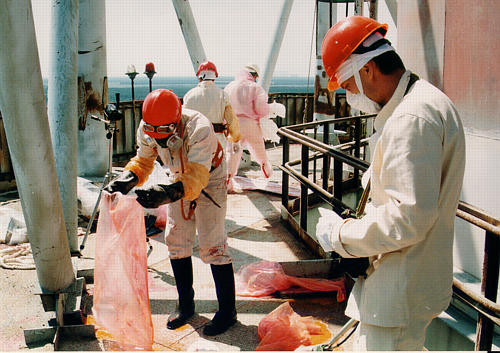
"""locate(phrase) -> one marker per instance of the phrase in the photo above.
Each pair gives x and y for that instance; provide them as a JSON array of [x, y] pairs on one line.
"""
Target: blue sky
[[233, 32]]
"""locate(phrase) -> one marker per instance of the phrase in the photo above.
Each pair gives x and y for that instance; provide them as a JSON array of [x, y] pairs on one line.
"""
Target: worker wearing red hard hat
[[213, 102], [415, 178], [196, 198]]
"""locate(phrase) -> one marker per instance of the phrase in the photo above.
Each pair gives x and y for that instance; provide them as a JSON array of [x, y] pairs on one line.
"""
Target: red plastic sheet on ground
[[121, 299], [264, 278], [285, 330]]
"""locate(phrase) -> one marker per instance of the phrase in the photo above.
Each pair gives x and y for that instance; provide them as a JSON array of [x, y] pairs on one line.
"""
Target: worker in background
[[213, 102], [249, 101], [415, 175], [194, 161]]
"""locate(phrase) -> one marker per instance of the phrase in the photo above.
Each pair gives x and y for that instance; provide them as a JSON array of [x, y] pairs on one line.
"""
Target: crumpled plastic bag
[[264, 278], [285, 330], [121, 298]]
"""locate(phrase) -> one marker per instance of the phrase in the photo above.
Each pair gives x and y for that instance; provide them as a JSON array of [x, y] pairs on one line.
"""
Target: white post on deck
[[22, 103], [93, 88], [190, 32], [62, 108], [274, 51], [324, 100]]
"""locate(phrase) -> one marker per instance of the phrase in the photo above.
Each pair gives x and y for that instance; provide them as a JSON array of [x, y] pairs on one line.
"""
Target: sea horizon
[[181, 84]]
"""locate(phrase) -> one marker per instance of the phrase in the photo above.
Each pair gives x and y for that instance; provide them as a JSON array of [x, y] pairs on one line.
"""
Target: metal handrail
[[485, 303]]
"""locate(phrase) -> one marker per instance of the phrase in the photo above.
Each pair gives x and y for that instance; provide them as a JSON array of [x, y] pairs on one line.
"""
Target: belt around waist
[[219, 127]]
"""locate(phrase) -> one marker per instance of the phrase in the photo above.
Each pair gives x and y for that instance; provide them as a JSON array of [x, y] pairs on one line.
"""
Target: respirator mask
[[173, 142], [360, 101]]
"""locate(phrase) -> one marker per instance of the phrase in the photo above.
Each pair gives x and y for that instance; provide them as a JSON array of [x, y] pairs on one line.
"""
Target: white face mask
[[360, 100]]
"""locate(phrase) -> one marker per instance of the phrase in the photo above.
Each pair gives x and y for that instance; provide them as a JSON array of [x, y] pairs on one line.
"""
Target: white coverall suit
[[249, 101], [213, 102], [407, 232], [199, 145]]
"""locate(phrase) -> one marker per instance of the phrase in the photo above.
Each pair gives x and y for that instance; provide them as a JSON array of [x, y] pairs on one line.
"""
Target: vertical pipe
[[190, 32], [28, 135], [358, 7], [274, 51], [92, 142], [324, 100], [373, 9], [62, 108]]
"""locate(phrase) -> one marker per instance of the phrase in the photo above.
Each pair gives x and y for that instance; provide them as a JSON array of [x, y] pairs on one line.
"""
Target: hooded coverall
[[249, 101], [408, 228], [213, 102], [196, 171]]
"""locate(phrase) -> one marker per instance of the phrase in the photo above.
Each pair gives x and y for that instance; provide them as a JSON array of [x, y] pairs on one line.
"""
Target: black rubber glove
[[158, 195], [122, 183]]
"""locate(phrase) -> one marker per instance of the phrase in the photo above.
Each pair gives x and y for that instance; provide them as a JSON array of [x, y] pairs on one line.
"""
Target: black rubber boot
[[224, 287], [183, 273]]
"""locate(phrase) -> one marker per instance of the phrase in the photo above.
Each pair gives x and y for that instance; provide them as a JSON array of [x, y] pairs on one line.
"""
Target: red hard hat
[[207, 66], [342, 39], [161, 107]]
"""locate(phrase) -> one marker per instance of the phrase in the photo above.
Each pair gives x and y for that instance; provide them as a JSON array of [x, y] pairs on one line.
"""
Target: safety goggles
[[162, 129]]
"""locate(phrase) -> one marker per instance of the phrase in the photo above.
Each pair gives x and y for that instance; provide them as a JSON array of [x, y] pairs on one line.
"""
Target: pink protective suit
[[249, 101]]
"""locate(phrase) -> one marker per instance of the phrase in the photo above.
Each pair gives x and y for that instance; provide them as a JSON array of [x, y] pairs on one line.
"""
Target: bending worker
[[213, 102], [249, 101], [194, 160], [415, 175]]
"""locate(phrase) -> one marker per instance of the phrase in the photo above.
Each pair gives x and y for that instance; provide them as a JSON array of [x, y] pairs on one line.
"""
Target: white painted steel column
[[324, 100], [92, 70], [62, 108], [190, 32], [274, 51], [28, 134]]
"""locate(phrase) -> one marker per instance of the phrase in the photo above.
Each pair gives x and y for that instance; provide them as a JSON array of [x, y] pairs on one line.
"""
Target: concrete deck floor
[[255, 233]]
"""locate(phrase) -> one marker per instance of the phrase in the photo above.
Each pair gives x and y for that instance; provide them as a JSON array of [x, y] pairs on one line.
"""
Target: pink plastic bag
[[285, 330], [264, 278], [121, 299]]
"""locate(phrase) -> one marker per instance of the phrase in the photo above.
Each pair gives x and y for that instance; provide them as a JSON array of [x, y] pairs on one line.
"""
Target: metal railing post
[[489, 288], [326, 158], [285, 177], [303, 188], [357, 139]]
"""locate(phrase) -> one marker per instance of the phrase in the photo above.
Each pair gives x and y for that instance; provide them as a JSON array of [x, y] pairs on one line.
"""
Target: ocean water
[[180, 85]]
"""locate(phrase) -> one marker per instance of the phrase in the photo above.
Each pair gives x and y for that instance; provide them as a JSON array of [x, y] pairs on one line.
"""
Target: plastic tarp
[[264, 278], [121, 299], [285, 330]]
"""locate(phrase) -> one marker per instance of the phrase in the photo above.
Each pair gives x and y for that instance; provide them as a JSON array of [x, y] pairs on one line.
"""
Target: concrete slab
[[255, 233]]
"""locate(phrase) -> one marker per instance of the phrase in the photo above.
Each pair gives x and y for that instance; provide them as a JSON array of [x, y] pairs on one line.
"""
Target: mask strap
[[357, 78]]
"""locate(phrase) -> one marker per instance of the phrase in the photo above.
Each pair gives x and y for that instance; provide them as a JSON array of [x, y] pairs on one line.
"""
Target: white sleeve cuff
[[336, 238]]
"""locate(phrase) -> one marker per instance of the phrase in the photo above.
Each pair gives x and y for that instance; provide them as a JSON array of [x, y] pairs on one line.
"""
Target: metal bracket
[[67, 323]]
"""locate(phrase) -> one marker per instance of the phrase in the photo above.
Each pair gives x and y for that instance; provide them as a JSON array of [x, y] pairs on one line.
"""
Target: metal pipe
[[274, 51], [358, 7], [190, 32], [92, 142], [324, 100], [62, 108], [28, 135]]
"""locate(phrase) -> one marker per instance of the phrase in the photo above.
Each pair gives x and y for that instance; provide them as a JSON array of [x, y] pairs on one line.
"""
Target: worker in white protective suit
[[193, 159], [213, 102], [416, 173], [249, 101]]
